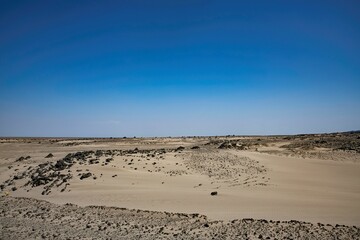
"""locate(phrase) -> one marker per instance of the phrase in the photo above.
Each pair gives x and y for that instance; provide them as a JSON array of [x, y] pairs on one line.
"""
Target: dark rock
[[214, 193], [40, 180], [93, 161], [62, 164], [50, 155], [179, 149], [85, 175], [98, 153], [20, 159]]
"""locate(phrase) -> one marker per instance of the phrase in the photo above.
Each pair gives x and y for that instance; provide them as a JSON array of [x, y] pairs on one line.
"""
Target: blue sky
[[170, 68]]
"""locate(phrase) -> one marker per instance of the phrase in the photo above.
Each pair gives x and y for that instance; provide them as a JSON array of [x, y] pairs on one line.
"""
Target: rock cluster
[[20, 159], [233, 144], [58, 174]]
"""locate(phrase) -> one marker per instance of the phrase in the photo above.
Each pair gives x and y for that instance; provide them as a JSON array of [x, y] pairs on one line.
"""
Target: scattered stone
[[85, 175], [179, 149], [115, 223], [20, 159], [50, 155]]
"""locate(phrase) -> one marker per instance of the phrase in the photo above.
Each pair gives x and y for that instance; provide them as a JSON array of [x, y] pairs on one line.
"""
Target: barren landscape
[[249, 187]]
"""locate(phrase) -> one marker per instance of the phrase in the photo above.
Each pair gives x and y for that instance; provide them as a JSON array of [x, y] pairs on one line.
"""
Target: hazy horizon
[[160, 68], [180, 136]]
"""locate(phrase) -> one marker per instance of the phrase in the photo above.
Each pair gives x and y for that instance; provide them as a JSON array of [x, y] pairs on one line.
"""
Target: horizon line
[[183, 136]]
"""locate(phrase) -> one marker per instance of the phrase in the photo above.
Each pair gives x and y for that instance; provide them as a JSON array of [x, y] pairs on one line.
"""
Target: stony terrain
[[23, 218], [221, 167], [64, 188], [228, 168]]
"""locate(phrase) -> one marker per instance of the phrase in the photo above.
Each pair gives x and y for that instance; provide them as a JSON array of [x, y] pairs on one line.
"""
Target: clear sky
[[170, 68]]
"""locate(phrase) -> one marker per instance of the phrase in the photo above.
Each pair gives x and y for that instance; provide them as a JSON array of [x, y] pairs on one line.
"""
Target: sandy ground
[[311, 178], [33, 219]]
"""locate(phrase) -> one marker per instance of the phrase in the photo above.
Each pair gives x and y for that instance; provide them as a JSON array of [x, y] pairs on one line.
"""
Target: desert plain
[[223, 187]]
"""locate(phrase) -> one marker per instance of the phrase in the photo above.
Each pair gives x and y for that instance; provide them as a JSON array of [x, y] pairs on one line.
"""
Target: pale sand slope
[[269, 186]]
